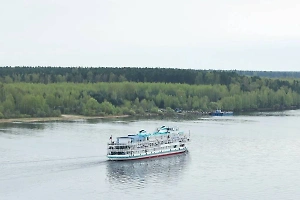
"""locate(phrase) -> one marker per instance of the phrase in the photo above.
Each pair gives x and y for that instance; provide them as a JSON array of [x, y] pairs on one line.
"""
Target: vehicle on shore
[[219, 112]]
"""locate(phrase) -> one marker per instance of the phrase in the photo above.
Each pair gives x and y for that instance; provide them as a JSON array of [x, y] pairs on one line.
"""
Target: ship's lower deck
[[144, 155]]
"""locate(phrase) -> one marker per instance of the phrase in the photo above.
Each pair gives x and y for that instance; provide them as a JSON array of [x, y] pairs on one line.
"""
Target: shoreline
[[61, 118], [82, 117]]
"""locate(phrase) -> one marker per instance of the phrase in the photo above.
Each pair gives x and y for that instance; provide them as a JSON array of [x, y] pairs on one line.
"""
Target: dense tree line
[[108, 74], [48, 75], [270, 74], [41, 100], [52, 91]]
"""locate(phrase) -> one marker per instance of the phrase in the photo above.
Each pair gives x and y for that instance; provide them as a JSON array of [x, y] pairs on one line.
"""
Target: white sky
[[196, 34]]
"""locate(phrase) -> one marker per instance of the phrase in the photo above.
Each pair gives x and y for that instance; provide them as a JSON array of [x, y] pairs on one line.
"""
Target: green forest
[[52, 91]]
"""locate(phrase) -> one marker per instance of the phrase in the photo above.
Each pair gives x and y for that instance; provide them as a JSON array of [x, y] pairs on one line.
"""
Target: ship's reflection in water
[[142, 173]]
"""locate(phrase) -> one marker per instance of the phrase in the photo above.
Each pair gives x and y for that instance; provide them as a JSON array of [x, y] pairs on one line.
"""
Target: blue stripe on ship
[[147, 155]]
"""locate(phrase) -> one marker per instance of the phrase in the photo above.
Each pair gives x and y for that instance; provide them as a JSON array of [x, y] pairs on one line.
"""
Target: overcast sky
[[196, 34]]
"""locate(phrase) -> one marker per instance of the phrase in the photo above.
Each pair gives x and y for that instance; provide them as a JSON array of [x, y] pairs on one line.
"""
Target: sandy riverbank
[[61, 118]]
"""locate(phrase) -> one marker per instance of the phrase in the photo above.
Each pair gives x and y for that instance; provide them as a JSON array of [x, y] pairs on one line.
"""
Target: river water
[[239, 157]]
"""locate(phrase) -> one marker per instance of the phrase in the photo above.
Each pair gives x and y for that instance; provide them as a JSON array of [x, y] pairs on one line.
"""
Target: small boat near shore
[[163, 142], [221, 113]]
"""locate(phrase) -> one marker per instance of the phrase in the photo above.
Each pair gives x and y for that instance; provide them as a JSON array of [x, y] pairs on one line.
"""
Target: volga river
[[239, 157]]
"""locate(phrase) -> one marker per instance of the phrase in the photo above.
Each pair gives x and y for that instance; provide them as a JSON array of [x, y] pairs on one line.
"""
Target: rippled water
[[238, 157]]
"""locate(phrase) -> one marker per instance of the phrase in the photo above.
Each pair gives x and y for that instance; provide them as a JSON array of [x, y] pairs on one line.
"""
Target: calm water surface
[[238, 157]]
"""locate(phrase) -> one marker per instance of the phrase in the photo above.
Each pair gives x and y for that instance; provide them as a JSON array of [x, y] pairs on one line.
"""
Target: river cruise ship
[[163, 142]]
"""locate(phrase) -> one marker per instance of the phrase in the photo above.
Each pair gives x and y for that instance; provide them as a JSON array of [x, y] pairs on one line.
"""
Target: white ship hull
[[147, 155]]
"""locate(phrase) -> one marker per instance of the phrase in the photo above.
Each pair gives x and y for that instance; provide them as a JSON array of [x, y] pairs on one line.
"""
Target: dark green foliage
[[270, 74], [107, 74]]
